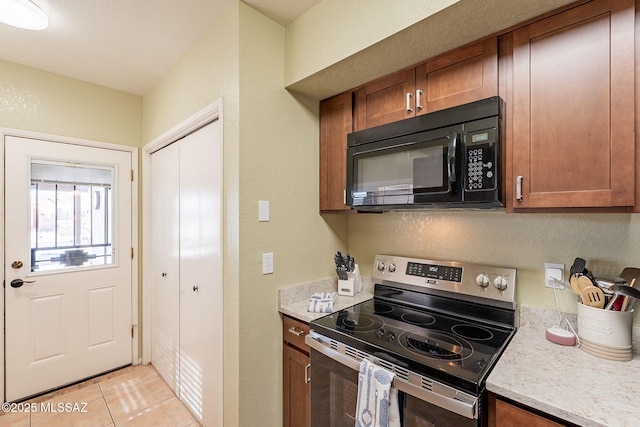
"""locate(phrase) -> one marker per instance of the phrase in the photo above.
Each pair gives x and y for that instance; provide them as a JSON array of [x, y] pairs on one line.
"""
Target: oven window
[[334, 392]]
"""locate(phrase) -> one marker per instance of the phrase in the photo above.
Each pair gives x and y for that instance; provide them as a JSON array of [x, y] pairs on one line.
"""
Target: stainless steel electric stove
[[440, 326]]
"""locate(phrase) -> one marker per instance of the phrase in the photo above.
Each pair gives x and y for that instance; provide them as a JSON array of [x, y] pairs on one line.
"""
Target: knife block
[[347, 287], [351, 286]]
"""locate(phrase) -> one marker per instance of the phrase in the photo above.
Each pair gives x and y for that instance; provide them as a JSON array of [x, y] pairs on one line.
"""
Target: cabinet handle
[[409, 109], [296, 332], [307, 378], [519, 188], [418, 101]]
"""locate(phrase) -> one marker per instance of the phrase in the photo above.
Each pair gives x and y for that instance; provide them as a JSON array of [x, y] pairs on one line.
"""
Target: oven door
[[402, 171], [334, 391]]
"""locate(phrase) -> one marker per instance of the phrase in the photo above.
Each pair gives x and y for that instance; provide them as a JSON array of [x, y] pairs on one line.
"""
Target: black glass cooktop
[[454, 349]]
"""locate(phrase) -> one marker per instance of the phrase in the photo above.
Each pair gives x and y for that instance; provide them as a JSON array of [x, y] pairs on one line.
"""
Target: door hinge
[[133, 328], [131, 253], [131, 175]]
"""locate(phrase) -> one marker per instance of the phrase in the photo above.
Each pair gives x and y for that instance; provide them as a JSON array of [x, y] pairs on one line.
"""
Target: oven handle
[[467, 408]]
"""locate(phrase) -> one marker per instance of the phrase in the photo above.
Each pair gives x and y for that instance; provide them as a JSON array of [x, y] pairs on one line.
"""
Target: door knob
[[16, 283], [16, 264], [195, 288]]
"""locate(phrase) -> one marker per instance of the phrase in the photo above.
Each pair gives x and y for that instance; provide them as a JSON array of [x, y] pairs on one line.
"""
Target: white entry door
[[67, 263]]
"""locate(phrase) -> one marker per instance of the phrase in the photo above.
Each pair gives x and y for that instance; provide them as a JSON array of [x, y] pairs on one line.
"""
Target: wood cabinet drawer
[[294, 331]]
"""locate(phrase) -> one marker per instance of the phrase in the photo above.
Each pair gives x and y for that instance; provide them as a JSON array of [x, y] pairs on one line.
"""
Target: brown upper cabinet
[[335, 124], [573, 109], [457, 77]]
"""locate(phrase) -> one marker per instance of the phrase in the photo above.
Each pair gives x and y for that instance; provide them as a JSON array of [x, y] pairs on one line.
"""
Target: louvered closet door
[[165, 303], [187, 271]]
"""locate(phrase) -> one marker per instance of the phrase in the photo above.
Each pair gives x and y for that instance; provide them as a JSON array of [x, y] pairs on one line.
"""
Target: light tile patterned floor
[[134, 396]]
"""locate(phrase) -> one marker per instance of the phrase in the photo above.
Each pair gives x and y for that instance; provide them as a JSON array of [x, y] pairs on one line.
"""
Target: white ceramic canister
[[606, 327]]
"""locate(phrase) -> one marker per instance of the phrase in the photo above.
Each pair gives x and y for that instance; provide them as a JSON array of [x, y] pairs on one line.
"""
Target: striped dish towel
[[321, 302], [377, 404]]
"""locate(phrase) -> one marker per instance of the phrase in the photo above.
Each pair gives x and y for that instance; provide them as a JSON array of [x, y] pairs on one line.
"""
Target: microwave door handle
[[451, 156]]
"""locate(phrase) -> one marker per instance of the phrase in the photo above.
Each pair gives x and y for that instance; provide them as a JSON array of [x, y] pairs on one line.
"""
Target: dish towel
[[377, 404], [321, 302]]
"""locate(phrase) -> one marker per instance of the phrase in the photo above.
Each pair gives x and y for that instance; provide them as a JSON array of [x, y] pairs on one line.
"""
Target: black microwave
[[444, 159]]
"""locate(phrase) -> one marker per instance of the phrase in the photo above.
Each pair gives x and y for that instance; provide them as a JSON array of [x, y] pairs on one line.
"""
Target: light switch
[[263, 211]]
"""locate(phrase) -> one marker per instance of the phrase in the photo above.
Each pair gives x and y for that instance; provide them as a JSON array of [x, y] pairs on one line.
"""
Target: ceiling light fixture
[[23, 14]]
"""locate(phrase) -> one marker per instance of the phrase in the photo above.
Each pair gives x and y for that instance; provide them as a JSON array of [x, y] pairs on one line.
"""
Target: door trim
[[135, 285]]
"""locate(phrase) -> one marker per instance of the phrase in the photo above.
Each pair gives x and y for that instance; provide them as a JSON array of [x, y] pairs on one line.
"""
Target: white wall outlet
[[263, 210], [554, 271], [267, 263]]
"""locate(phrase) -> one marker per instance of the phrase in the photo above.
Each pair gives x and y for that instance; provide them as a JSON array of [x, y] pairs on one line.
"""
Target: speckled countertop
[[565, 381], [292, 300]]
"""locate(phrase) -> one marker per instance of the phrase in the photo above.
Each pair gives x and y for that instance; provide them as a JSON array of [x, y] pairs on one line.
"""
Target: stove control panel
[[473, 280]]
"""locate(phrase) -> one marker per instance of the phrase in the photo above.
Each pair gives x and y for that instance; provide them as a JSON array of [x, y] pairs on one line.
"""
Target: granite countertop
[[567, 382], [292, 300]]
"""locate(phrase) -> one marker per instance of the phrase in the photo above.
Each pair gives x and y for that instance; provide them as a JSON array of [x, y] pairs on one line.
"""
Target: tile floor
[[134, 396]]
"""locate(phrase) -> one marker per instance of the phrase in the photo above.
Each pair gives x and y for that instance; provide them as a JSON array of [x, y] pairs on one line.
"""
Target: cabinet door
[[296, 388], [385, 100], [509, 415], [573, 113], [458, 77], [335, 124]]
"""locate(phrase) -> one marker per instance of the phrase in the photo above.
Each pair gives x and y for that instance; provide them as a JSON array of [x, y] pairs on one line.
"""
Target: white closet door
[[165, 248], [200, 272]]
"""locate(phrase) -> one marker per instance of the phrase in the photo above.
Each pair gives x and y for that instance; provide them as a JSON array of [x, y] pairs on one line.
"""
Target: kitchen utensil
[[627, 300], [630, 273], [623, 290], [574, 285], [577, 267], [592, 296], [584, 282]]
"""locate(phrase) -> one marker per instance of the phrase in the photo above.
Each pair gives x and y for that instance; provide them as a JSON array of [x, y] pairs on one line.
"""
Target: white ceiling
[[124, 44]]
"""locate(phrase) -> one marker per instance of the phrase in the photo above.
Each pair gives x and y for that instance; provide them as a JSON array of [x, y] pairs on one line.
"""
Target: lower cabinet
[[505, 414], [296, 386]]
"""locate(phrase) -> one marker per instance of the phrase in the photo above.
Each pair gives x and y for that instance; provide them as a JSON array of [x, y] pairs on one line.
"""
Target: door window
[[71, 215]]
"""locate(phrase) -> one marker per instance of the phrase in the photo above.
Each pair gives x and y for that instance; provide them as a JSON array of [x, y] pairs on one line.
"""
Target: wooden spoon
[[584, 282], [593, 297], [574, 284]]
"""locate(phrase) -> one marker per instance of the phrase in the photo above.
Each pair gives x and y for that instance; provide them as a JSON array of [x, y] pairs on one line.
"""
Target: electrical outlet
[[554, 271], [267, 263]]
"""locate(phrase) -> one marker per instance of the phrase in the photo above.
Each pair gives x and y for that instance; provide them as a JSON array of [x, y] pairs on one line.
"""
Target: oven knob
[[392, 268], [380, 266], [482, 280], [391, 335], [501, 283], [380, 333]]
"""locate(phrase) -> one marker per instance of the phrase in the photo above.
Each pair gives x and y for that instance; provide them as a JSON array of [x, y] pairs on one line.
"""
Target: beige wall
[[210, 71], [39, 101], [278, 162]]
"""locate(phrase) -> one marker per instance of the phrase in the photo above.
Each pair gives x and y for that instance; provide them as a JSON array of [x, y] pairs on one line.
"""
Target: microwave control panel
[[481, 160]]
